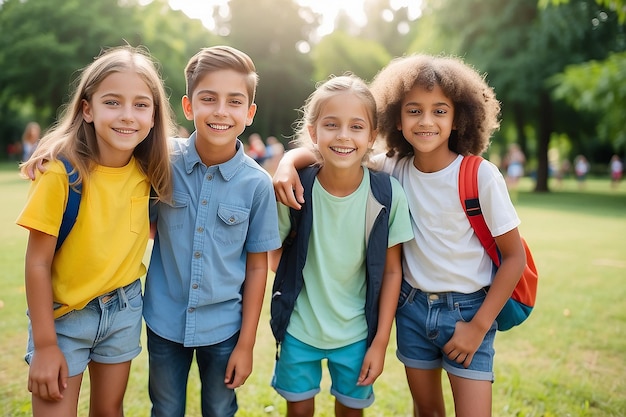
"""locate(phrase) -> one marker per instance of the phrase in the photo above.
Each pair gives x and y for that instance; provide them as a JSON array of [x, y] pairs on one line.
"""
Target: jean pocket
[[405, 293]]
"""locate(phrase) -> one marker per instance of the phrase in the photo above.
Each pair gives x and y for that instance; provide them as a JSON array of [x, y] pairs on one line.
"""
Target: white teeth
[[342, 150], [125, 131], [218, 127]]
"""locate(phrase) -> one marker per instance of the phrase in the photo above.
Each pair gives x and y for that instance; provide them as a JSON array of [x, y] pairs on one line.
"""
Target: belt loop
[[121, 295], [412, 295], [450, 300]]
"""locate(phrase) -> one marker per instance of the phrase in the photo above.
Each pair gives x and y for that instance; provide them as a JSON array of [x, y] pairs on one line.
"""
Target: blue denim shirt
[[198, 264]]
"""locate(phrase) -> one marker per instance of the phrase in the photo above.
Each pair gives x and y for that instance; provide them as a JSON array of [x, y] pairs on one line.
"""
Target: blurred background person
[[514, 163], [30, 139], [617, 169], [581, 168]]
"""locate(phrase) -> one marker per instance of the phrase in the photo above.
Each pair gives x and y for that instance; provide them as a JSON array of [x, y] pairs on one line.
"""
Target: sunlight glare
[[329, 9]]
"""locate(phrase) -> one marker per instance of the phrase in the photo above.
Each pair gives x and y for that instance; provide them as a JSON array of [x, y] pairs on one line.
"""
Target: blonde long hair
[[74, 139]]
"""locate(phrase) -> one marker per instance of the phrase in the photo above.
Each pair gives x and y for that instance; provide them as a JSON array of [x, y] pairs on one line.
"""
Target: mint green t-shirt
[[329, 311]]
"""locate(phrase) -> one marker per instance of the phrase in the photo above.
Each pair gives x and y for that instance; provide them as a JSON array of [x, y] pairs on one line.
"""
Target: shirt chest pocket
[[139, 214], [231, 225], [173, 215]]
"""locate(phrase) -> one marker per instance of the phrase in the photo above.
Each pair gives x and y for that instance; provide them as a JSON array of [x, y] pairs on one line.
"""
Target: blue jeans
[[169, 369]]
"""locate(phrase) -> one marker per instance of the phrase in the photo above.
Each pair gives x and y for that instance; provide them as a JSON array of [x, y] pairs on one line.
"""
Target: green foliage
[[598, 87], [284, 72], [520, 46], [45, 42], [339, 52]]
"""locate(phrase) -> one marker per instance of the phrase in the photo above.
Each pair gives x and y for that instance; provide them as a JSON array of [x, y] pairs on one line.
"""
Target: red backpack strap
[[468, 193]]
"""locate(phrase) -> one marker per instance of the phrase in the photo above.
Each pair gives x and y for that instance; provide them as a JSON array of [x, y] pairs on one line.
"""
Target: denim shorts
[[106, 331], [426, 321], [298, 372]]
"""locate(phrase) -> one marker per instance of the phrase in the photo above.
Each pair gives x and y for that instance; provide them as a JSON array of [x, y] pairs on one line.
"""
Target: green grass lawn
[[568, 359]]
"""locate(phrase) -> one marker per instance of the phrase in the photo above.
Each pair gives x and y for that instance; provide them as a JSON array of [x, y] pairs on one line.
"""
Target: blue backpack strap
[[73, 203], [288, 278]]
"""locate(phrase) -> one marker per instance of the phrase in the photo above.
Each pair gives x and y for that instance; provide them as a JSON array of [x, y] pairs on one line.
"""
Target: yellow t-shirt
[[105, 248]]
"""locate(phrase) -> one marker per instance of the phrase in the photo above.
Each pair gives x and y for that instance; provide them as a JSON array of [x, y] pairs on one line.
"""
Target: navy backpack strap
[[73, 203]]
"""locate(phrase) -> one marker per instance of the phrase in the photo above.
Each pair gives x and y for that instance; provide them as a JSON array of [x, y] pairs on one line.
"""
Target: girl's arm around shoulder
[[287, 185], [374, 360]]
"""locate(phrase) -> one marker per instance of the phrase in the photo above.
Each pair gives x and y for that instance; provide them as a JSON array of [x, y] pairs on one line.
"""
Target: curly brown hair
[[476, 109]]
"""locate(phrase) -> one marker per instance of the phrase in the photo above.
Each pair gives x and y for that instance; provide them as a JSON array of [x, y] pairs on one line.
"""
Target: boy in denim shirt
[[206, 281]]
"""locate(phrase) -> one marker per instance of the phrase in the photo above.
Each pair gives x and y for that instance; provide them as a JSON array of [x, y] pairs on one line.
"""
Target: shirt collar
[[226, 169]]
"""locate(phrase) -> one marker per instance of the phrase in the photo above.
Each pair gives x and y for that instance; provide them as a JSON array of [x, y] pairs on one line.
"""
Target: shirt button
[[191, 310], [231, 220], [204, 202], [200, 229], [209, 177], [196, 255], [194, 286]]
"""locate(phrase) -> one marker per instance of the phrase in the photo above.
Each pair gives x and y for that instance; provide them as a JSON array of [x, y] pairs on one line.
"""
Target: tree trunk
[[543, 140], [518, 116]]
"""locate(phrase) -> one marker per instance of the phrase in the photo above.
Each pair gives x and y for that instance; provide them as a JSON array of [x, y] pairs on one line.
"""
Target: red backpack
[[519, 306]]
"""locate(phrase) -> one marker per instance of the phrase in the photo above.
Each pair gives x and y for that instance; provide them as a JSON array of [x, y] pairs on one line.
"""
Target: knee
[[304, 408]]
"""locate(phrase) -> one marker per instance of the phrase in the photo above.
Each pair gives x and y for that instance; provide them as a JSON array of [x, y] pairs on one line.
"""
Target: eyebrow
[[352, 119], [117, 95], [233, 94], [415, 103]]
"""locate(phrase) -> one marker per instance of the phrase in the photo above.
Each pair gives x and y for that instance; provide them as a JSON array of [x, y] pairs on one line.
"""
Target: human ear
[[187, 108], [373, 136], [312, 133], [87, 115], [251, 113]]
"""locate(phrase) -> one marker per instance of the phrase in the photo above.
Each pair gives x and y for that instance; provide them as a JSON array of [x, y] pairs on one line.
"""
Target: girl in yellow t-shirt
[[84, 299]]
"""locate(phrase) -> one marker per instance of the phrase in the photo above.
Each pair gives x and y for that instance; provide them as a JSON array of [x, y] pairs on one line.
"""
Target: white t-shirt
[[446, 255]]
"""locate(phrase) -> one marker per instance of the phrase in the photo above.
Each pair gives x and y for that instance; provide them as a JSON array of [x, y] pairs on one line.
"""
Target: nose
[[127, 113], [343, 134], [220, 109], [426, 119]]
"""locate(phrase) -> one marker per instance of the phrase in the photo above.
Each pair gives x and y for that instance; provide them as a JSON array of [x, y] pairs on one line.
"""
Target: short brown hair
[[218, 58]]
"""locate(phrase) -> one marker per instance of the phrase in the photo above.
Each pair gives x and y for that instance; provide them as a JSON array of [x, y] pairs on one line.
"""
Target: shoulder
[[488, 170], [396, 187]]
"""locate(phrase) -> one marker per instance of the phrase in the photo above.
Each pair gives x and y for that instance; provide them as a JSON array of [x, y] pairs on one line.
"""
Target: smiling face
[[343, 131], [426, 121], [122, 112], [220, 112]]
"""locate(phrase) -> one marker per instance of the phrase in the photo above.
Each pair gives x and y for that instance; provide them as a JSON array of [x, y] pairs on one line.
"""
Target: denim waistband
[[449, 297], [121, 293]]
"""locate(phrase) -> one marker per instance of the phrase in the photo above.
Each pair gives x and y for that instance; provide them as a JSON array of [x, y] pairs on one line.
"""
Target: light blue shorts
[[426, 321], [298, 372], [106, 331]]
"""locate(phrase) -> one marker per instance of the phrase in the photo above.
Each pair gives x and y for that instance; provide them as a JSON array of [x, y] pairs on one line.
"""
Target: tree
[[272, 43], [520, 47], [598, 87], [339, 52], [44, 42]]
